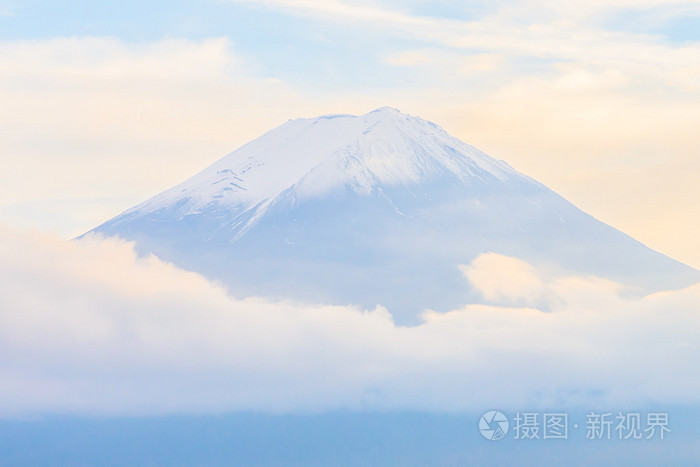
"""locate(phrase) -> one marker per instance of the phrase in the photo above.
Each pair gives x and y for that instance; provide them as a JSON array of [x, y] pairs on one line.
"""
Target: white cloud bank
[[87, 327]]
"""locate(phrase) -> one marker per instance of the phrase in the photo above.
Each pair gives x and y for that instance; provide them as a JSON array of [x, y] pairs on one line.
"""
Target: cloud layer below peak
[[88, 327]]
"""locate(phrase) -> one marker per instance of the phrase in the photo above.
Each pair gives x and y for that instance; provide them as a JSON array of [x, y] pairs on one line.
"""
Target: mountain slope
[[374, 209]]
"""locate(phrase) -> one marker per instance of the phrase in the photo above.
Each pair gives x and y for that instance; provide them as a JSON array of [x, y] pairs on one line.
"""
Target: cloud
[[539, 30], [502, 278], [99, 121], [409, 58], [89, 327], [342, 10]]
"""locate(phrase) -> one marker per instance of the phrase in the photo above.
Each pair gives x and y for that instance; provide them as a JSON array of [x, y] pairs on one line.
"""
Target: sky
[[107, 103]]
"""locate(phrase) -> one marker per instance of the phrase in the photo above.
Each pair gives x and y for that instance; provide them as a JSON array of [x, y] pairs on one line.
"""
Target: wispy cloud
[[97, 118], [563, 32], [89, 327]]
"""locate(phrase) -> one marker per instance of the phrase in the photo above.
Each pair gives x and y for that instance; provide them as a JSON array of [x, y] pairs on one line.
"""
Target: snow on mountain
[[374, 209], [313, 156]]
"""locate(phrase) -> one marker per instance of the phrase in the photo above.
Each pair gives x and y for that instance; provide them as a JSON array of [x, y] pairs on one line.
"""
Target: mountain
[[374, 209]]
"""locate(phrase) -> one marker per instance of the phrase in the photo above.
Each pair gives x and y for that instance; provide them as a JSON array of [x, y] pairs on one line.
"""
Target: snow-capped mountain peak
[[380, 208], [312, 156]]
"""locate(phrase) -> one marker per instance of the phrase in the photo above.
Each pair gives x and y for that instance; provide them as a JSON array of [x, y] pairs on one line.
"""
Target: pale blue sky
[[290, 46]]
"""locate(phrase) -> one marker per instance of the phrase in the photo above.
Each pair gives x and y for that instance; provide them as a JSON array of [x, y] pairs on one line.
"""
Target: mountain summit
[[307, 158], [380, 208]]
